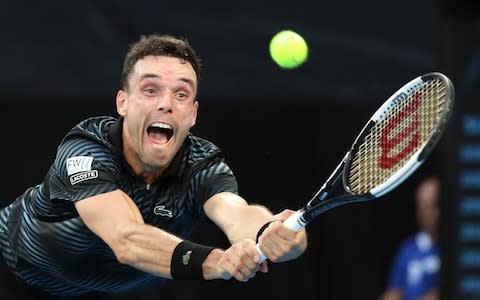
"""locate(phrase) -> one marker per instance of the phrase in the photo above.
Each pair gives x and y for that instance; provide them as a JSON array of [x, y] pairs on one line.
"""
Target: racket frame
[[318, 204]]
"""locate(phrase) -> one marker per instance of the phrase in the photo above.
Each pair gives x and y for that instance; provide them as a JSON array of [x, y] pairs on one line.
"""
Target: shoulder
[[96, 128], [88, 141], [89, 133], [201, 149], [408, 246]]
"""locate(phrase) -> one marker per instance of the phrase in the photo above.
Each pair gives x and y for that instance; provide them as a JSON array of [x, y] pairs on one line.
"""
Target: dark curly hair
[[159, 45]]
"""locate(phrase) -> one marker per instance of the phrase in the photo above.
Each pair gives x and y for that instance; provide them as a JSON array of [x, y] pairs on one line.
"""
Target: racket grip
[[260, 253], [294, 223]]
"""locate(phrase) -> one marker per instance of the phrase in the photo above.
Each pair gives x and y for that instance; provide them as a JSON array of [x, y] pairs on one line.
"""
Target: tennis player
[[119, 201]]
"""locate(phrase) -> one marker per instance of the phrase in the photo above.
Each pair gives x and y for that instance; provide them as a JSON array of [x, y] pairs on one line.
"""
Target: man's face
[[428, 211], [159, 109]]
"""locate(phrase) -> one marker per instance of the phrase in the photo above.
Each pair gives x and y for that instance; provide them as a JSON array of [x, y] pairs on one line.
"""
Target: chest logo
[[160, 210]]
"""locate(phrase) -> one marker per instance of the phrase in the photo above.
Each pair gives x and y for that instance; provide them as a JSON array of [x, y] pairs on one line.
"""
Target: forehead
[[165, 67]]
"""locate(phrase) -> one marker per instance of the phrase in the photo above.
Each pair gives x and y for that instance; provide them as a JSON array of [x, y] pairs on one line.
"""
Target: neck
[[148, 173], [432, 234]]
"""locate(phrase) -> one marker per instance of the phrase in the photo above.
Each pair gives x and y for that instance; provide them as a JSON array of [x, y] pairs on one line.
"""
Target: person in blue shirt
[[415, 269]]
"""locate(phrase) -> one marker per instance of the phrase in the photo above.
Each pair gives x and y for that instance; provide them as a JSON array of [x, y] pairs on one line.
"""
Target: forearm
[[240, 221], [157, 252], [146, 248], [235, 217], [117, 221], [246, 223]]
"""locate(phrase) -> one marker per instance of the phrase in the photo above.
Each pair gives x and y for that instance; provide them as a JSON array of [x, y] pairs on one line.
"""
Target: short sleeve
[[212, 180], [82, 168]]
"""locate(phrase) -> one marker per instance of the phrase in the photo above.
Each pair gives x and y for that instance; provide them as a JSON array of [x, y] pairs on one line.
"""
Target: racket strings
[[404, 127]]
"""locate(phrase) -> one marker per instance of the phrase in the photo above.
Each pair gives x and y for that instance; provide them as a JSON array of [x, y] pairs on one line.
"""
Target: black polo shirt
[[47, 244]]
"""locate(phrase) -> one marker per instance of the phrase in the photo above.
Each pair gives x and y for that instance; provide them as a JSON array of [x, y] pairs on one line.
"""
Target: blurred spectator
[[414, 272]]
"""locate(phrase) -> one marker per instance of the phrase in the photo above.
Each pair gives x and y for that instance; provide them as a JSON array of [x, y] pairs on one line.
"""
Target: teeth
[[161, 125]]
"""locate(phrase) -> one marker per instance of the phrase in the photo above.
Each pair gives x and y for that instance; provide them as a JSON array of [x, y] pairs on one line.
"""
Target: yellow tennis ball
[[288, 49]]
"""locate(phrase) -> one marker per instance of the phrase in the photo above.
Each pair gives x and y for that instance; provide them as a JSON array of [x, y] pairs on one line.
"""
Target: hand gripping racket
[[391, 146]]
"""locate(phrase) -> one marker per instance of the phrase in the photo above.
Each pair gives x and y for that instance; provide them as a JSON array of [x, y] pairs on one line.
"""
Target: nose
[[164, 103]]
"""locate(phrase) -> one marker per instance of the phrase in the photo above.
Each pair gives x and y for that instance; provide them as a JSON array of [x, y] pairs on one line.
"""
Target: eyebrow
[[151, 75]]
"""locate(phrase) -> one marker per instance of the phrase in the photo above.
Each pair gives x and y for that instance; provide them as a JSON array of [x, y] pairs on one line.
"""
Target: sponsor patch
[[76, 178], [78, 164]]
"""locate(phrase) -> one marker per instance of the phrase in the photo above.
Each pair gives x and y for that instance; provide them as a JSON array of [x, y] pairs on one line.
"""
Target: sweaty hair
[[159, 45]]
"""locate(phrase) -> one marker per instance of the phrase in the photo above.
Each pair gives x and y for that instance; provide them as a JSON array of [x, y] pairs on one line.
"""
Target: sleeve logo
[[76, 178], [78, 164]]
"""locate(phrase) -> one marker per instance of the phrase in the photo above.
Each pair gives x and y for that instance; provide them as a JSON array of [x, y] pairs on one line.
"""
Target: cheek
[[138, 109]]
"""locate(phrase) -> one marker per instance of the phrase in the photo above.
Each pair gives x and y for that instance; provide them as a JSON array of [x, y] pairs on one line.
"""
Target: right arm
[[115, 218]]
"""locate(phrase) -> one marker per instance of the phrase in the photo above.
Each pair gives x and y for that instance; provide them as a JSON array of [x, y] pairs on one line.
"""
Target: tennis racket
[[391, 146]]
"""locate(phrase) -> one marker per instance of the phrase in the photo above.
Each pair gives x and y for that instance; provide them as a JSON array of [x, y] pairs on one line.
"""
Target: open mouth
[[160, 133]]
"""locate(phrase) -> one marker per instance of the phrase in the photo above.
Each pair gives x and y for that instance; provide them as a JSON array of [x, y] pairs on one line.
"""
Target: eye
[[181, 95], [150, 91]]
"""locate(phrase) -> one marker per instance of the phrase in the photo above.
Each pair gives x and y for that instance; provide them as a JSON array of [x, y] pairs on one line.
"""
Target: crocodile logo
[[160, 210]]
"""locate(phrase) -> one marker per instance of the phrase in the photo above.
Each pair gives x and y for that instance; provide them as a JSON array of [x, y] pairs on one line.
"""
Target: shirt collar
[[424, 241]]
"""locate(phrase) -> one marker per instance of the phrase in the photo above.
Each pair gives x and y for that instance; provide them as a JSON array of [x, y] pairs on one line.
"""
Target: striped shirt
[[48, 246]]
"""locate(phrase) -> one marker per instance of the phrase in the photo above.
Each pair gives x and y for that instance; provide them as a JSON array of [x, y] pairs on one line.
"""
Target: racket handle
[[294, 223], [260, 253]]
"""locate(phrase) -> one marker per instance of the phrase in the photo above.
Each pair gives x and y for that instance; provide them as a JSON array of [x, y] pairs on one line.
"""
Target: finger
[[243, 272], [275, 247], [282, 216], [245, 254], [225, 269], [229, 263], [247, 273], [248, 265], [254, 272], [224, 274], [280, 233], [241, 263], [251, 254], [264, 267], [269, 248]]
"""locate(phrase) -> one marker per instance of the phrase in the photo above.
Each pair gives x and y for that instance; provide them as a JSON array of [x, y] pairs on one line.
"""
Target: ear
[[195, 112], [121, 101]]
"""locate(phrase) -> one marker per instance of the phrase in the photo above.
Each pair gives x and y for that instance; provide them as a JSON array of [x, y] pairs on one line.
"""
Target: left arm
[[239, 220], [235, 217]]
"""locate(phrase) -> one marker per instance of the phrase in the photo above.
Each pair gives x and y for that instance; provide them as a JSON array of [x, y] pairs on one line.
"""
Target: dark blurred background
[[282, 131]]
